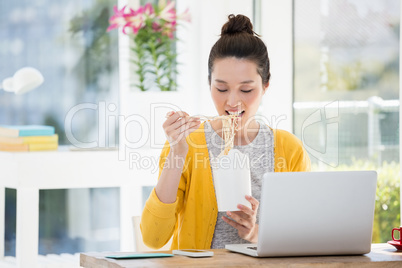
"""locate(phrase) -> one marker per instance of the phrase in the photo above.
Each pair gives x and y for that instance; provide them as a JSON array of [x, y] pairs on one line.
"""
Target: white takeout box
[[232, 180]]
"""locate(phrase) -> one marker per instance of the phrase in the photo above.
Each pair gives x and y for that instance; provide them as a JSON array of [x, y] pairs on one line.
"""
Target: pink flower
[[134, 20], [185, 16], [118, 18], [149, 10], [156, 27], [165, 21], [168, 13]]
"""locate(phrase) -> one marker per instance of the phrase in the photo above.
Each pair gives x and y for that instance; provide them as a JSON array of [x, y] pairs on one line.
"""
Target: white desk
[[30, 172]]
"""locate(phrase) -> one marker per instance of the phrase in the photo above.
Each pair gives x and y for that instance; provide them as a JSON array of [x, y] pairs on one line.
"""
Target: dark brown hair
[[240, 41]]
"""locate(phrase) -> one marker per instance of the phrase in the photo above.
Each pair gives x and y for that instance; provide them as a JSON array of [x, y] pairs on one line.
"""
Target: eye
[[221, 90], [246, 91]]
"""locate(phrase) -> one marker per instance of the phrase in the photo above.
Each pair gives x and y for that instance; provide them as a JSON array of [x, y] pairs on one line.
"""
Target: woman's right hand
[[177, 127]]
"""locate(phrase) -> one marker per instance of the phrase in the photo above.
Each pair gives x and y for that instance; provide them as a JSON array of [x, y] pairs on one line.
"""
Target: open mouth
[[238, 113]]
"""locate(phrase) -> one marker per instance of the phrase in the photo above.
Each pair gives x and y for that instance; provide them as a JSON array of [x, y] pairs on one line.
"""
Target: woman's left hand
[[245, 220]]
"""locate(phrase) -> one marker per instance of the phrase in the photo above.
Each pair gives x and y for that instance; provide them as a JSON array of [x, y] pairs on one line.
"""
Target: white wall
[[276, 31]]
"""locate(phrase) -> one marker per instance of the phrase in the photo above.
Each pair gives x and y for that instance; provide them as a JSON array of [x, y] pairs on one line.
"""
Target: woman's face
[[236, 87]]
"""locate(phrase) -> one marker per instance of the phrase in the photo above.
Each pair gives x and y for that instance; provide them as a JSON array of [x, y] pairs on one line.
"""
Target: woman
[[183, 203]]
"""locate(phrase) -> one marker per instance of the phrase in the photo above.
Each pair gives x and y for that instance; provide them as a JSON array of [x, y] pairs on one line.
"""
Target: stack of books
[[28, 138]]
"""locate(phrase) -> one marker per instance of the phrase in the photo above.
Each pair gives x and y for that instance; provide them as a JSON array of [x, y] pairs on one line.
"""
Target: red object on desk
[[395, 244]]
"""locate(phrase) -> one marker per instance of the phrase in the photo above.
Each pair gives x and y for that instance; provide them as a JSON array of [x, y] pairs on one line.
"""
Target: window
[[68, 43], [346, 93]]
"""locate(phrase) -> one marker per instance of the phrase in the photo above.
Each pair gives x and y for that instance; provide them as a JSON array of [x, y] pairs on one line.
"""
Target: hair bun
[[237, 24]]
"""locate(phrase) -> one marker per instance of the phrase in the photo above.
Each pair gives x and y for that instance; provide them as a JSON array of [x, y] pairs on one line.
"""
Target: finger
[[182, 118], [247, 210], [185, 123], [182, 131], [254, 202], [178, 124], [234, 224], [240, 214], [241, 218], [169, 114], [189, 123], [179, 113], [173, 116], [191, 127]]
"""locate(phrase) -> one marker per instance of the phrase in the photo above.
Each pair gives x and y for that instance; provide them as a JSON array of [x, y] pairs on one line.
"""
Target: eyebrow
[[244, 82]]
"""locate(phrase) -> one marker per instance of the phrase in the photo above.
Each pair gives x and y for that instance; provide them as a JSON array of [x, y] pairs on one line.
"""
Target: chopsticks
[[207, 118]]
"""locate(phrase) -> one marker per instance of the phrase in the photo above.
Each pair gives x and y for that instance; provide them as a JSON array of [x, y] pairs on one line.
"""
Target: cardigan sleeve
[[158, 219], [290, 155]]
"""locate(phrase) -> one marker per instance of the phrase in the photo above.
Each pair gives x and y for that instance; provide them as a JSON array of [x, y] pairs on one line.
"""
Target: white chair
[[139, 244]]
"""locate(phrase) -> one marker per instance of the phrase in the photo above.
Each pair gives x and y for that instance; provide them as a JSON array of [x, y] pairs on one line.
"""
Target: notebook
[[314, 213]]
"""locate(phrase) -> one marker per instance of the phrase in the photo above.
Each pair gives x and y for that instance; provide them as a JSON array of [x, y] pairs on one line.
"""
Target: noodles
[[229, 127]]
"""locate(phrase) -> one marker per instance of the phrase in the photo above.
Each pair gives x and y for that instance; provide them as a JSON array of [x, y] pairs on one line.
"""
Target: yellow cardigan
[[192, 218]]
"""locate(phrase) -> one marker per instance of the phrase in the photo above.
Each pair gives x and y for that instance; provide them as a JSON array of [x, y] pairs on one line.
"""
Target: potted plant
[[151, 29]]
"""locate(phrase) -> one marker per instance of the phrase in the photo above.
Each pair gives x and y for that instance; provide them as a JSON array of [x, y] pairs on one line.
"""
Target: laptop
[[314, 213]]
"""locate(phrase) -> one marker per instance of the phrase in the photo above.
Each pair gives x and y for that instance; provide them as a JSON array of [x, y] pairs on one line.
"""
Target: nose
[[233, 100]]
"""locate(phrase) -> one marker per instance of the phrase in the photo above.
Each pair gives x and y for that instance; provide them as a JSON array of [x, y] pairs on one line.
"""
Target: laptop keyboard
[[252, 248]]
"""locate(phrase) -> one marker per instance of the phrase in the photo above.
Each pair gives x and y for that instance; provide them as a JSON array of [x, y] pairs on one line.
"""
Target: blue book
[[26, 130]]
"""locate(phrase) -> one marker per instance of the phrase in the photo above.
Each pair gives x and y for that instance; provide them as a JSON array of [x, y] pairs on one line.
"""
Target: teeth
[[234, 113]]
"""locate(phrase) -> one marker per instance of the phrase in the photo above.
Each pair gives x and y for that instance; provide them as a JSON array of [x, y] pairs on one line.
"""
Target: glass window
[[146, 192], [67, 42], [346, 93]]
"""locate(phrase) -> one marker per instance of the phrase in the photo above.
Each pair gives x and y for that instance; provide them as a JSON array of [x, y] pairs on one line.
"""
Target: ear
[[265, 88]]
